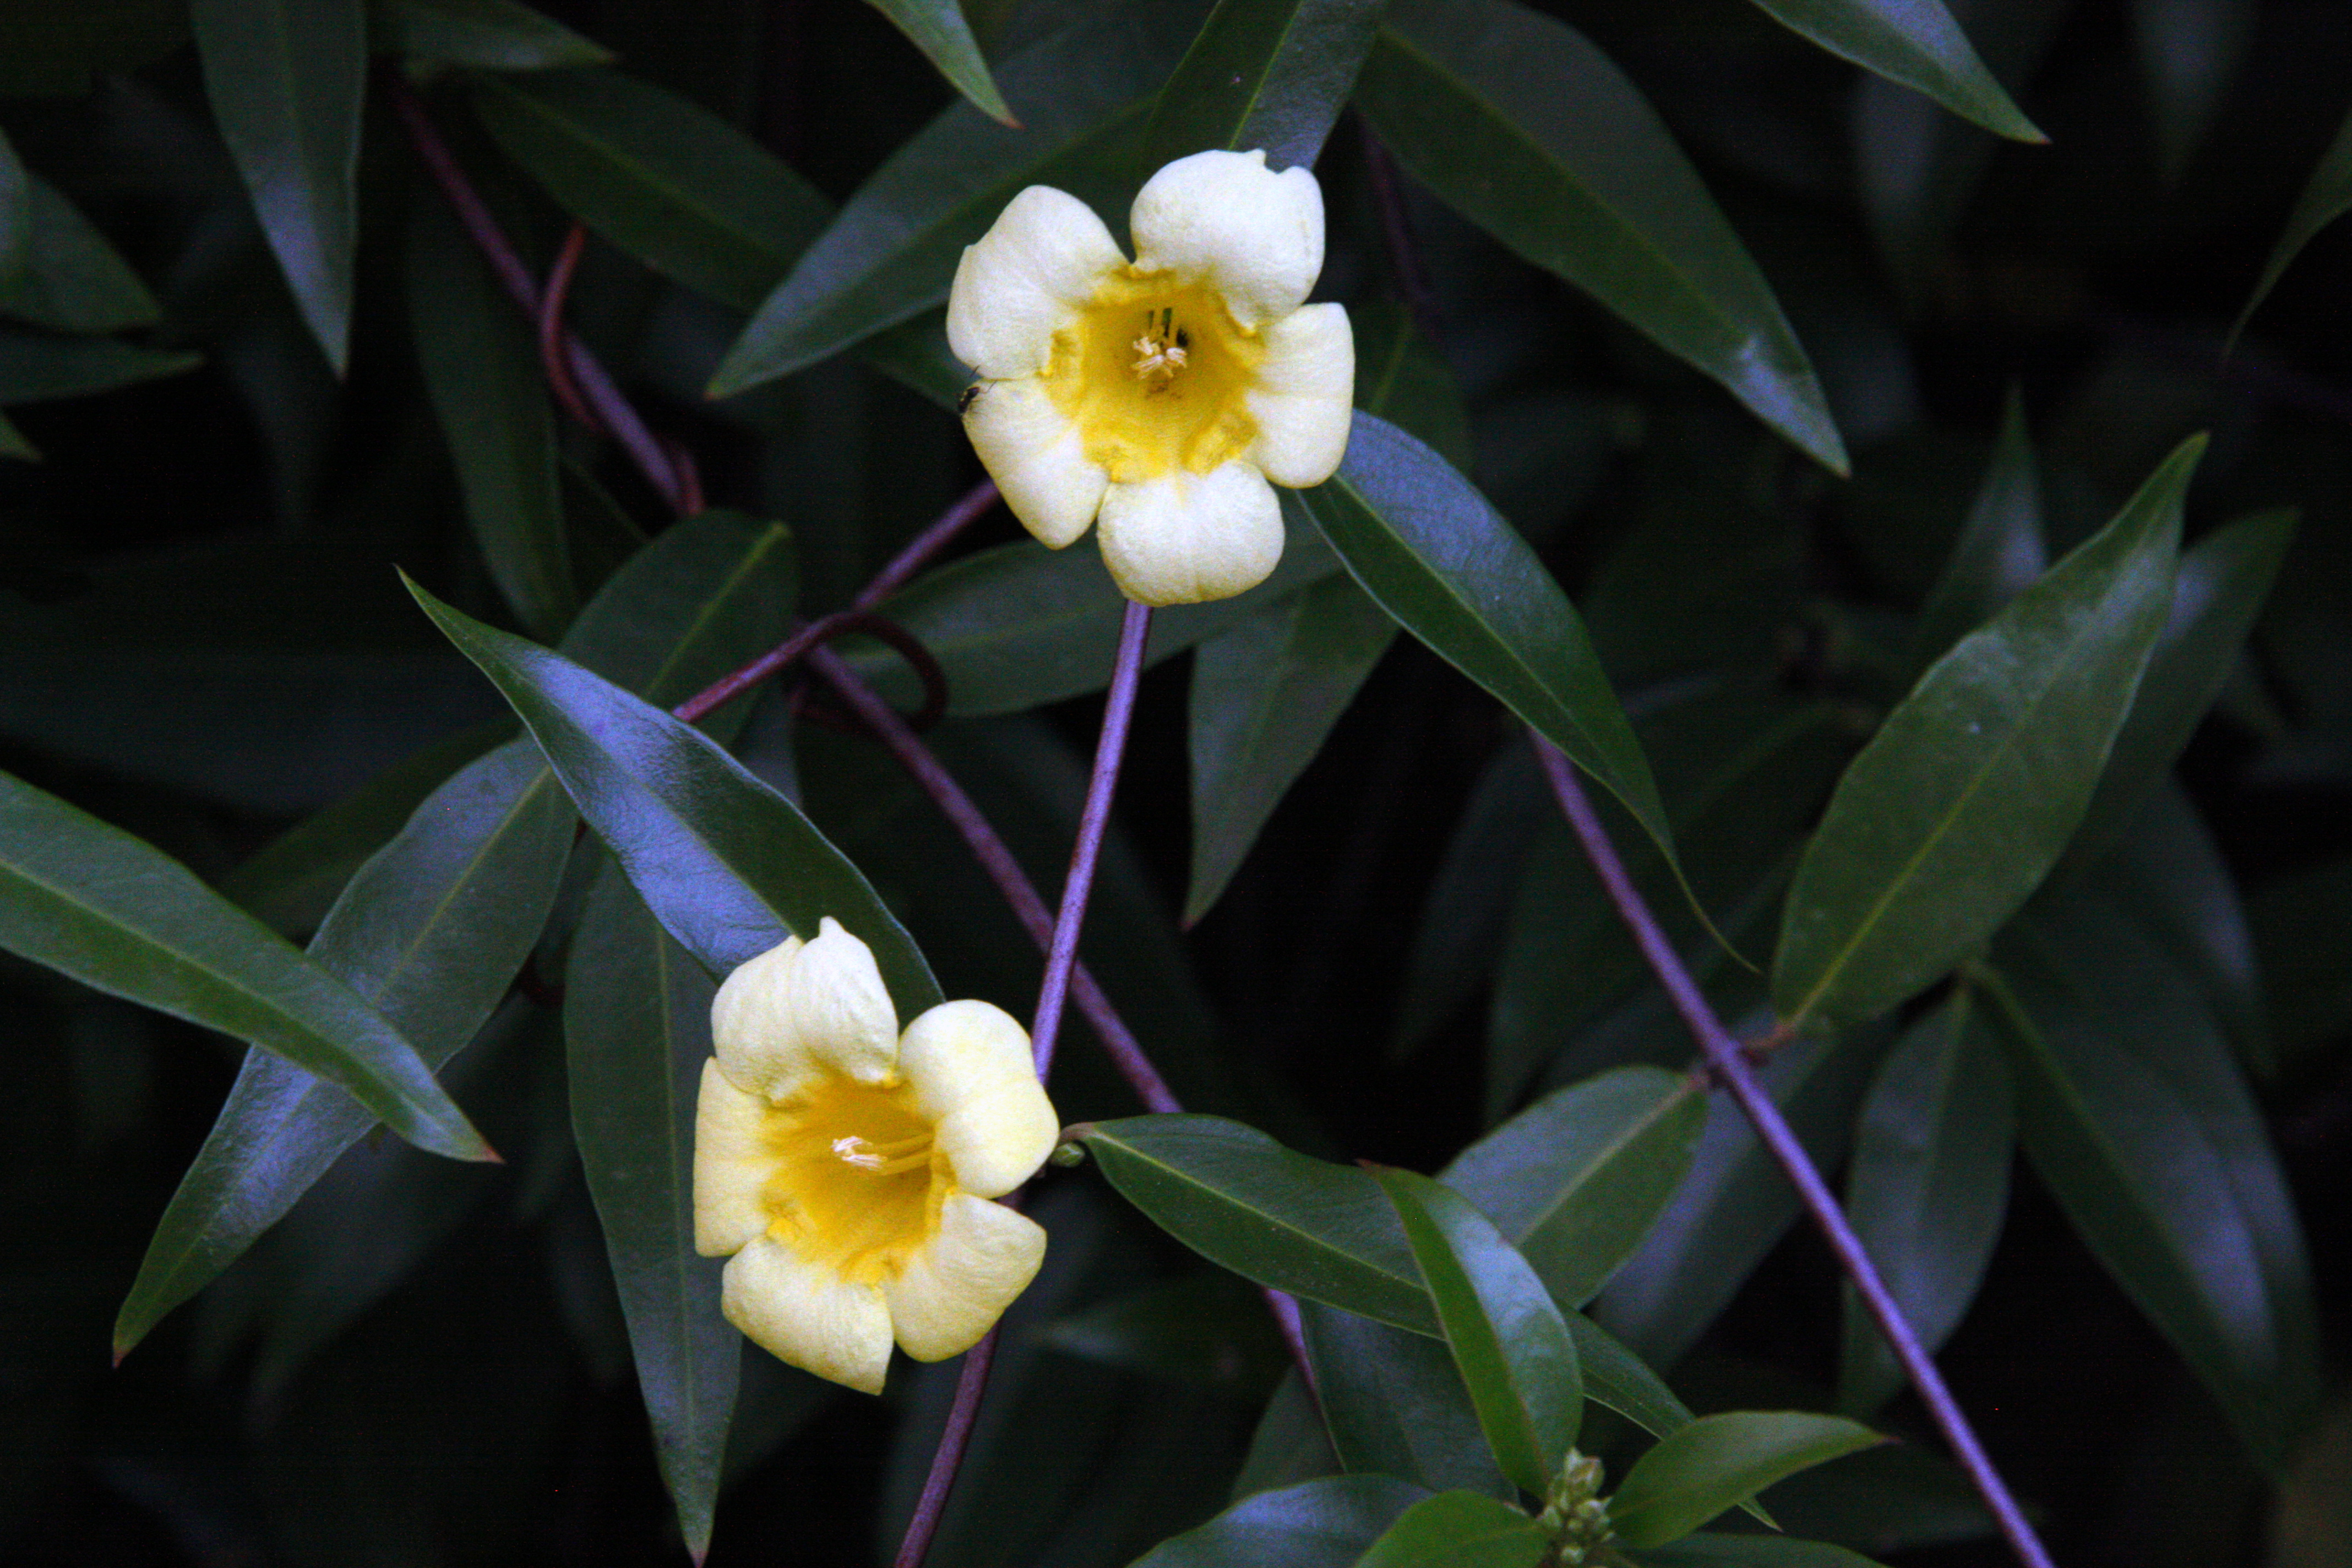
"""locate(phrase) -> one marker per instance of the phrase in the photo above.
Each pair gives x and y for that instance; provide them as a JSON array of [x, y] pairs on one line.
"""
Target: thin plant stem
[[1729, 1064], [996, 858], [969, 509], [1062, 953], [972, 1382]]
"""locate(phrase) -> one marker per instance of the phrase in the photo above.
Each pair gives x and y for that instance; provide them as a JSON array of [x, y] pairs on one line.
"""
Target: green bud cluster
[[1574, 1514]]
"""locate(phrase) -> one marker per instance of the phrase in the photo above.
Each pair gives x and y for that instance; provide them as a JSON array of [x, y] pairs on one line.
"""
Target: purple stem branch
[[972, 1382], [1062, 953], [969, 509], [1729, 1063]]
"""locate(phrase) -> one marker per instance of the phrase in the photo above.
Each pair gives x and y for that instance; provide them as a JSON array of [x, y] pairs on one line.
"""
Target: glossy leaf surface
[[1705, 1550], [1427, 547], [1719, 1461], [1395, 1405], [488, 34], [1964, 799], [1508, 1339], [1264, 697], [2326, 197], [69, 276], [1999, 552], [1242, 1200], [727, 866], [1914, 42], [1265, 74], [636, 1030], [1460, 1530], [937, 27], [1327, 1523], [286, 80], [1518, 122], [90, 901]]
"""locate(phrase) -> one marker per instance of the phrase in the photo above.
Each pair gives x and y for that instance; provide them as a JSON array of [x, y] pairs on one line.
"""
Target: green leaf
[[1719, 1461], [2326, 197], [1954, 812], [727, 866], [1749, 1552], [1265, 697], [36, 367], [2135, 1116], [2223, 582], [937, 27], [286, 80], [1517, 123], [71, 278], [430, 931], [93, 902], [1999, 552], [1424, 544], [658, 176], [1617, 1378], [1395, 1405], [485, 35], [1576, 1180], [1734, 1203], [1242, 1200], [437, 924], [1508, 1339], [1460, 1530], [1404, 378], [2189, 51], [1325, 1524], [1926, 1188], [636, 1029], [482, 372], [1020, 625], [892, 251], [1914, 42], [1269, 74]]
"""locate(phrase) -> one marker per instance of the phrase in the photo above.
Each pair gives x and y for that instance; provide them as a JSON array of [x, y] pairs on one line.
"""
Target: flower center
[[1153, 373], [858, 1186]]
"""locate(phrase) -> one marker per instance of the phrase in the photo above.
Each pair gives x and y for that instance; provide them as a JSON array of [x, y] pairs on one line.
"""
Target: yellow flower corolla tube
[[845, 1170], [1158, 395]]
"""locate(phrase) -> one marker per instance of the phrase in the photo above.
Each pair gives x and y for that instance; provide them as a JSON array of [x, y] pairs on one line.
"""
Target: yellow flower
[[1160, 395], [847, 1168]]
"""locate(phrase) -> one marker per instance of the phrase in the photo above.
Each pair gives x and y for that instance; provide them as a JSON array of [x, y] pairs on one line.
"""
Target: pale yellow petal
[[1225, 218], [969, 1064], [732, 1166], [1037, 458], [803, 1008], [952, 1291], [808, 1316], [1184, 539], [1305, 395], [1025, 280]]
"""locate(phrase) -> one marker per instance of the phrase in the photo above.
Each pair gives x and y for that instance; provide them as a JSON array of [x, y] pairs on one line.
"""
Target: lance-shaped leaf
[[1965, 797], [90, 901], [71, 277], [1426, 545], [1020, 625], [487, 35], [430, 930], [892, 251], [1719, 1461], [1264, 697], [1577, 1179], [727, 866], [2223, 582], [1999, 552], [1749, 1552], [36, 367], [1395, 1405], [1517, 123], [438, 923], [2135, 1116], [1242, 1200], [482, 373], [1615, 1377], [1914, 42], [2326, 197], [1325, 1524], [657, 176], [1927, 1187], [1509, 1341], [1460, 1530], [636, 1030], [939, 29], [1269, 74], [286, 80]]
